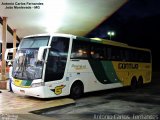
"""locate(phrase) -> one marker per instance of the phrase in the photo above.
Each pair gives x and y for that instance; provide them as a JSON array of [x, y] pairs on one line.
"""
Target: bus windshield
[[26, 66]]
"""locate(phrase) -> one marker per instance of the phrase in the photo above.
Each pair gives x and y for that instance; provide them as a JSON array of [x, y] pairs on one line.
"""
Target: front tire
[[76, 90]]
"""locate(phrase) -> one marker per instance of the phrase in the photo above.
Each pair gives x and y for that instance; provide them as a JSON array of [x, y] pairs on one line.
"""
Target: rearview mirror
[[41, 51], [6, 57]]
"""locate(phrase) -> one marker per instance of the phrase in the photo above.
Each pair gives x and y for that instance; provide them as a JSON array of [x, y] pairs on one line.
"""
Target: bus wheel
[[77, 90], [140, 82], [133, 83]]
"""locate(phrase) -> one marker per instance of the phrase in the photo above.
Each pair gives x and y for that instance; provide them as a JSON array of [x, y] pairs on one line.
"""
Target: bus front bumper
[[39, 92]]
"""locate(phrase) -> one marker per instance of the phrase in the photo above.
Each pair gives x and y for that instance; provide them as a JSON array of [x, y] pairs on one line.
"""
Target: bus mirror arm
[[41, 52]]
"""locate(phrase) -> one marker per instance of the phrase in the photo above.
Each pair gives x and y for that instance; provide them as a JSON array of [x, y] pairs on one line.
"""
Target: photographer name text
[[22, 5]]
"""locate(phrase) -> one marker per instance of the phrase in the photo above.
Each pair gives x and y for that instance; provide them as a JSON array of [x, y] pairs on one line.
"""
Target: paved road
[[139, 104]]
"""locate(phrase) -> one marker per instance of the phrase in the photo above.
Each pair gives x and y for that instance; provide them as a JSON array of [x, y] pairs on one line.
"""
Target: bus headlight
[[37, 84]]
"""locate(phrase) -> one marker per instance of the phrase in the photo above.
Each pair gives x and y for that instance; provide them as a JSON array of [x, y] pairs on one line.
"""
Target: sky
[[137, 23]]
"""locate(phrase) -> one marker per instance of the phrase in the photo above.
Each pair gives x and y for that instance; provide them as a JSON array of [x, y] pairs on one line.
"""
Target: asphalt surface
[[117, 104]]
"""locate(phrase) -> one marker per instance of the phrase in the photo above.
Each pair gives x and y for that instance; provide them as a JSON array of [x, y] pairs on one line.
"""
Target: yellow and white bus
[[61, 64]]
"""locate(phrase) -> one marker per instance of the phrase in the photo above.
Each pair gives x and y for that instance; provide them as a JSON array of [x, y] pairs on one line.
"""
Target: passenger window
[[80, 49], [97, 51]]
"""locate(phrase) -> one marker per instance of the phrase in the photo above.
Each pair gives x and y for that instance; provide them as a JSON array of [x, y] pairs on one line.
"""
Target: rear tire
[[133, 83], [140, 82], [76, 90]]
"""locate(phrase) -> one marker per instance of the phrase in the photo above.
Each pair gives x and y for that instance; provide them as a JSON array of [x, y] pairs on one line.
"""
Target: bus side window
[[97, 51], [113, 55], [94, 53], [122, 55], [147, 57], [109, 50], [126, 55], [80, 50]]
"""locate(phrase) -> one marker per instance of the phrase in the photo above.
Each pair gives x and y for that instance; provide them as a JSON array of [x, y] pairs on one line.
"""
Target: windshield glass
[[26, 66], [34, 42]]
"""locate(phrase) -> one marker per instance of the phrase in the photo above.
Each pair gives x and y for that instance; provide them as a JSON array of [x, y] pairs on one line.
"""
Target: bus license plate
[[22, 91]]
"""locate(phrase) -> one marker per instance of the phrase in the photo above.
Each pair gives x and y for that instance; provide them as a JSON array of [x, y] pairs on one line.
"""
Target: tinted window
[[97, 51], [88, 50], [80, 49], [57, 59]]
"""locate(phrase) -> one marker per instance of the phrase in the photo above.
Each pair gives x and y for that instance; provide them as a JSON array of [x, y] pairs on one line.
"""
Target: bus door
[[57, 59]]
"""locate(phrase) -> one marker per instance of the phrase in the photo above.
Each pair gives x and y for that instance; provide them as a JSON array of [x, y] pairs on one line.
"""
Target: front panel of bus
[[35, 78]]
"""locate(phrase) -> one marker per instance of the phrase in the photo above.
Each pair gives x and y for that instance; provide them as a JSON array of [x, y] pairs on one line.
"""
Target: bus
[[53, 65]]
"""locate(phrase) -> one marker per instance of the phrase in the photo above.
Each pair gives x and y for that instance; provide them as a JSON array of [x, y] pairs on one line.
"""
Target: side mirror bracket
[[41, 52]]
